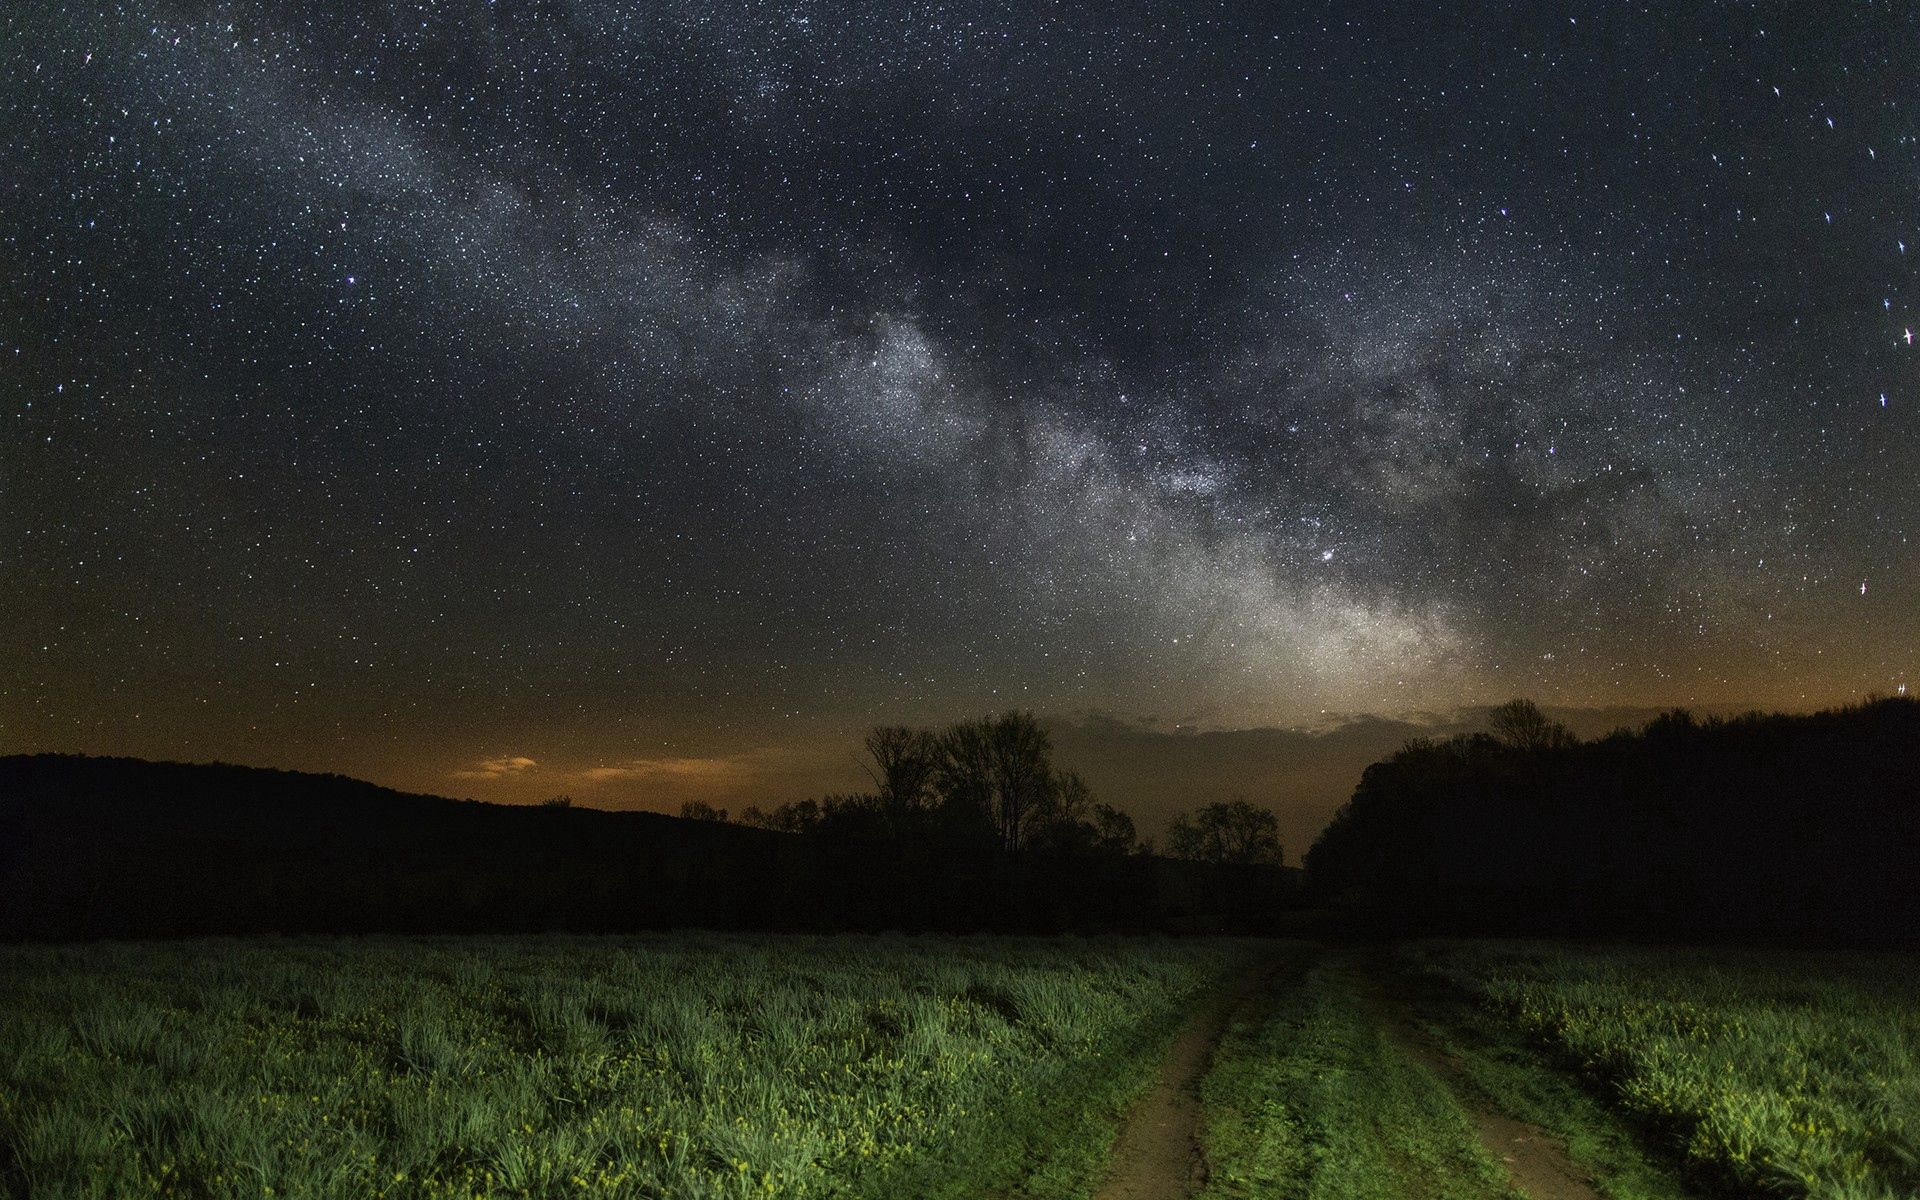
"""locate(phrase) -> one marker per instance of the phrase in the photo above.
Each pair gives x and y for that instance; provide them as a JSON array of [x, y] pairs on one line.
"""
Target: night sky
[[636, 400]]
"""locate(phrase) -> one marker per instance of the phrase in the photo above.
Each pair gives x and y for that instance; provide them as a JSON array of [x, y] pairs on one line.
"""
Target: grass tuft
[[684, 1066]]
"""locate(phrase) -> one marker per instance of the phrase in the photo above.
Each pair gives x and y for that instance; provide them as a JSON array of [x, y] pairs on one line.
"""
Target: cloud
[[670, 769], [497, 768], [764, 774]]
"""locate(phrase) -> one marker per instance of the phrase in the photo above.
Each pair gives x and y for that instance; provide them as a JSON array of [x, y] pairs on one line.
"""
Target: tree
[[798, 816], [1521, 724], [964, 775], [700, 810], [1001, 767], [1064, 823], [1019, 753], [906, 763], [1070, 800], [1231, 831], [560, 801], [1113, 830], [795, 816]]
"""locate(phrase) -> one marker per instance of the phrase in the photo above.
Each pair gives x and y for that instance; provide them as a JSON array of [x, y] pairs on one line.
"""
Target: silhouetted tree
[[1113, 830], [964, 776], [1020, 756], [1675, 723], [1061, 825], [700, 810], [905, 764], [1521, 724], [560, 801], [795, 816], [1232, 831], [1070, 800]]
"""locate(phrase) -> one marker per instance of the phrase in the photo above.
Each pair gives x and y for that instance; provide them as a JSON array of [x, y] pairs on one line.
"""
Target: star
[[721, 392]]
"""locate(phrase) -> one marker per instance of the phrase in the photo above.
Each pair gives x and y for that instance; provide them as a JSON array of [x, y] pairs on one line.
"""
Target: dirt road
[[1158, 1155], [1535, 1160]]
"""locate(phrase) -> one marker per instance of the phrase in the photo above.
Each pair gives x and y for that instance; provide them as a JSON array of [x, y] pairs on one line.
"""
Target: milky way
[[430, 388]]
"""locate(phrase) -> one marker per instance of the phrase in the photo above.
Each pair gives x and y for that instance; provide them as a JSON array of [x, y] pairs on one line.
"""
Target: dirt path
[[1157, 1155], [1535, 1159]]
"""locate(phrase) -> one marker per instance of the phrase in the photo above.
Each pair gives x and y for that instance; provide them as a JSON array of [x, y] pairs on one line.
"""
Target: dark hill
[[114, 847], [118, 847]]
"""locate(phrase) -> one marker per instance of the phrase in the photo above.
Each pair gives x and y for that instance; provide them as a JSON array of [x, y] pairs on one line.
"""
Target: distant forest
[[1763, 826], [969, 828], [993, 782]]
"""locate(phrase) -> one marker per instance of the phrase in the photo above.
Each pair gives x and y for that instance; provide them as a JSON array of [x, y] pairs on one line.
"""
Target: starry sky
[[638, 400]]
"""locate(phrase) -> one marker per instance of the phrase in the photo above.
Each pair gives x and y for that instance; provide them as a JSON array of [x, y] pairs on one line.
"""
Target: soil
[[1535, 1160], [1158, 1155]]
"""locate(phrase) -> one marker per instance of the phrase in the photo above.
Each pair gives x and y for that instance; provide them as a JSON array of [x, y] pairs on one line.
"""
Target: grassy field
[[1309, 1100], [1663, 1073], [704, 1066], [688, 1066], [1762, 1072]]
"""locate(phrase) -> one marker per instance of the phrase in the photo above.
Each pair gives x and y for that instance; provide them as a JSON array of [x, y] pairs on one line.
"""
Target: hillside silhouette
[[1766, 826], [119, 847], [1763, 826]]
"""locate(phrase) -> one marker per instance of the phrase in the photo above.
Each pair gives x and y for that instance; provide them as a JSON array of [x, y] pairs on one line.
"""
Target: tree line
[[969, 828], [991, 781], [1765, 825]]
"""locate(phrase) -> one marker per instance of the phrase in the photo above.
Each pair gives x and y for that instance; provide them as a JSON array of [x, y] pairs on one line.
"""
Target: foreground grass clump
[[1779, 1073], [1309, 1099], [685, 1066]]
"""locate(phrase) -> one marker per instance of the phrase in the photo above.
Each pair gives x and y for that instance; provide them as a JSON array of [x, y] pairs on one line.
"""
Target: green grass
[[705, 1066], [1501, 1066], [1308, 1099], [1763, 1072], [686, 1066]]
